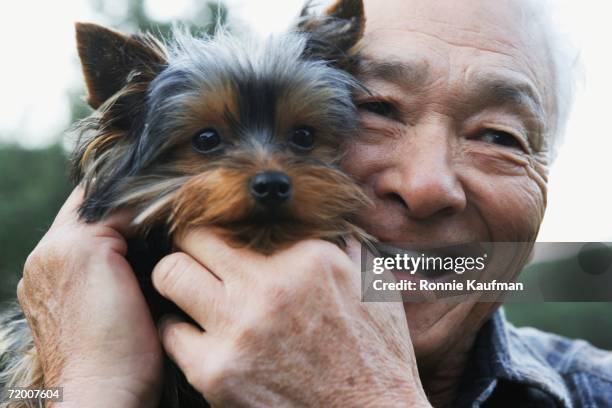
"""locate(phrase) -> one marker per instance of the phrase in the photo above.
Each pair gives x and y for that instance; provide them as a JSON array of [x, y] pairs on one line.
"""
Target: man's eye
[[302, 138], [499, 137], [206, 140], [380, 108]]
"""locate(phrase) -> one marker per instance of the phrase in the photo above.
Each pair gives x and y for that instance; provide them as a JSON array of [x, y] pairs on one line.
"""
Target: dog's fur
[[136, 149]]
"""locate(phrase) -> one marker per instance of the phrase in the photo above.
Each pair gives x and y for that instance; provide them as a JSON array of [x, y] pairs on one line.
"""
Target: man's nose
[[422, 176]]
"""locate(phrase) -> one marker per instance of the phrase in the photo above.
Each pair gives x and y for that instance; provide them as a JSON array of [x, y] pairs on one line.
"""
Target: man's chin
[[441, 328]]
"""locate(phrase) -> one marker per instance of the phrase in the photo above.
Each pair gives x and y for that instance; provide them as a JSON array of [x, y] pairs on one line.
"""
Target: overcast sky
[[39, 64]]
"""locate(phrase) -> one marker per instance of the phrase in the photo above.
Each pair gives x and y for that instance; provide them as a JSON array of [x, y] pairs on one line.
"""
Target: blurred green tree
[[33, 184]]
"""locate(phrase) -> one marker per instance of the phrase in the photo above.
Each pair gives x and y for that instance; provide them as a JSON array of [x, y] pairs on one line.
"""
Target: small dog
[[244, 137]]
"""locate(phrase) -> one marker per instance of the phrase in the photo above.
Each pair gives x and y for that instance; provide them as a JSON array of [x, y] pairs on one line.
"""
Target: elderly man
[[468, 98]]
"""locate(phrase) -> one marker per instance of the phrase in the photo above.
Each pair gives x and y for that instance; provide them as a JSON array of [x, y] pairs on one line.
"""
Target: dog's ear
[[333, 35], [118, 70], [109, 59]]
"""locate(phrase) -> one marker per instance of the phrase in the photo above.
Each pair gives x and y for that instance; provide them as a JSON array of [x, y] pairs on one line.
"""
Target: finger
[[209, 248], [122, 222], [191, 286], [183, 342]]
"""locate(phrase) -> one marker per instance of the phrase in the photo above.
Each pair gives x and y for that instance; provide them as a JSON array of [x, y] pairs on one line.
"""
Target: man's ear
[[334, 34], [109, 59]]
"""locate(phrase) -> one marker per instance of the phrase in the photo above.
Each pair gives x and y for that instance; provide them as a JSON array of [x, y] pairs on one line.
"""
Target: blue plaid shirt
[[524, 367]]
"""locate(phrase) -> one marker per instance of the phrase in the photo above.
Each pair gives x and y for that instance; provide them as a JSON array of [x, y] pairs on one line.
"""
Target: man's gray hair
[[564, 65]]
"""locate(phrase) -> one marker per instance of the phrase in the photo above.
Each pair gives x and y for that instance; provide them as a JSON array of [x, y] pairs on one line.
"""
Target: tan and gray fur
[[261, 100]]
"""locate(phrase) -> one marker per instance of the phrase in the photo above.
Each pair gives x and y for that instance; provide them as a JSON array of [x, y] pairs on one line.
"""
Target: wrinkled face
[[454, 147]]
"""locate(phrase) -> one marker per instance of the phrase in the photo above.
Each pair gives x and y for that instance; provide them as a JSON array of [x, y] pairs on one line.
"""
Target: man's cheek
[[358, 163], [512, 207]]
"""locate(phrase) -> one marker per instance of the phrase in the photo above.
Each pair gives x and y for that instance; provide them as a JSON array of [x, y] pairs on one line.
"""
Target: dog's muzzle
[[270, 188]]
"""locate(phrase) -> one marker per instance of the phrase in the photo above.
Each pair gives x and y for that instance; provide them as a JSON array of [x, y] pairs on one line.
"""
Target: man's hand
[[284, 330], [90, 322]]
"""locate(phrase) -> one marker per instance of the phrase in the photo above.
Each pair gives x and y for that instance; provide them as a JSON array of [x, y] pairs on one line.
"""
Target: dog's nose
[[270, 188]]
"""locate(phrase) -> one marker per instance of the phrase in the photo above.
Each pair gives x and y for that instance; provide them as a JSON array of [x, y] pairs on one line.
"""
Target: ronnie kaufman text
[[470, 285]]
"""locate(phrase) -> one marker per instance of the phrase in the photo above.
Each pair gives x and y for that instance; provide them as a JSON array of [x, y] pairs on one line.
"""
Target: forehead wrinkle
[[407, 74]]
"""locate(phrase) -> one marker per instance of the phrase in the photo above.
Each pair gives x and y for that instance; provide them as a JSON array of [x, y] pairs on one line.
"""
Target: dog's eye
[[206, 140], [302, 138]]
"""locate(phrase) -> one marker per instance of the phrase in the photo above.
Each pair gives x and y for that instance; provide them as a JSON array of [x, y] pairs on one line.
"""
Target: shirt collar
[[501, 353]]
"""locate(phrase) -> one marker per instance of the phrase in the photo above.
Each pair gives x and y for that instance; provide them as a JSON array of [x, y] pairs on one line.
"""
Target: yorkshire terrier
[[246, 137]]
